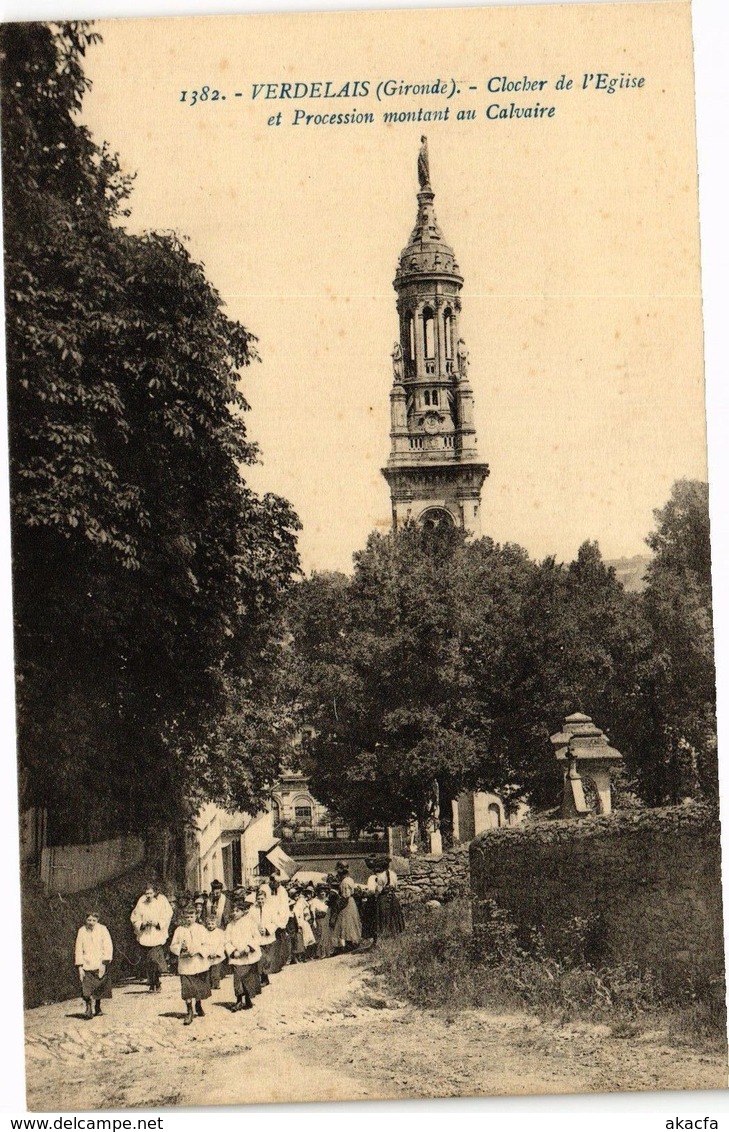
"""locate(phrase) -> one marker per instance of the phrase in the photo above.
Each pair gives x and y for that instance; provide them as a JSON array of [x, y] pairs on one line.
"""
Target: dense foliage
[[147, 576], [449, 662], [679, 753]]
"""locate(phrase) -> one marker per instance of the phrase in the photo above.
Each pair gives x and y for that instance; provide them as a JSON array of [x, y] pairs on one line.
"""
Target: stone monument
[[583, 751]]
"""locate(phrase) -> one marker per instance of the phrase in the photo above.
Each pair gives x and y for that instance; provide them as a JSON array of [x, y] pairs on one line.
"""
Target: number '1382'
[[205, 94]]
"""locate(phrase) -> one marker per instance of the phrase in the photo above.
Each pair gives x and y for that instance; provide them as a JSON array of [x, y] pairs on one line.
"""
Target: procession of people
[[251, 933]]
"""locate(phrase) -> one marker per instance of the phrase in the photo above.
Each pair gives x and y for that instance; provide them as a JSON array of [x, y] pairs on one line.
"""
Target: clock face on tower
[[431, 422]]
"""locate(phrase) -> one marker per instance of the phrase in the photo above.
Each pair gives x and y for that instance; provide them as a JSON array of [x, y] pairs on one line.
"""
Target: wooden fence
[[74, 868]]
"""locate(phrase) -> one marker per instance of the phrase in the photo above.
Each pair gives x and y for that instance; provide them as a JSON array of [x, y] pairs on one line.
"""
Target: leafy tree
[[449, 662], [678, 701], [553, 641], [369, 672], [148, 577], [445, 661], [681, 541]]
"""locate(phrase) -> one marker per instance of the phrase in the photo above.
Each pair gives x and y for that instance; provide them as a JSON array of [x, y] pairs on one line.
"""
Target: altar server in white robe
[[216, 951], [151, 919], [243, 948], [190, 944], [93, 953], [266, 920]]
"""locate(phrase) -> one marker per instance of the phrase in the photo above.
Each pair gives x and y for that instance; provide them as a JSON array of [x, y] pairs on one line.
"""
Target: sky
[[577, 237]]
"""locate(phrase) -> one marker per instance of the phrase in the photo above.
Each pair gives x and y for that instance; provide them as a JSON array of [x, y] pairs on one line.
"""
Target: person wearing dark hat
[[292, 927], [201, 907], [190, 945], [389, 919], [217, 902], [181, 901], [93, 954], [348, 927], [238, 895], [243, 948], [290, 944]]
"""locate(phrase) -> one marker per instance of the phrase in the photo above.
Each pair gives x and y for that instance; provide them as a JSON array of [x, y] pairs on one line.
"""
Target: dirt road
[[324, 1031]]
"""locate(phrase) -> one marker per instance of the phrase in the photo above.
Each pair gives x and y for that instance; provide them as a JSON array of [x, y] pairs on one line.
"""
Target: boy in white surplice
[[243, 948], [151, 918], [190, 944], [93, 954]]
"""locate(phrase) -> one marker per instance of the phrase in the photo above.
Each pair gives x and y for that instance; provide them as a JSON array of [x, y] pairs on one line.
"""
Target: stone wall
[[647, 881], [435, 878]]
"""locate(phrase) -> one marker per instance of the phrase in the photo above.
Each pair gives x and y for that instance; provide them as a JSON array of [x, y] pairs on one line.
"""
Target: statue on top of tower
[[424, 164]]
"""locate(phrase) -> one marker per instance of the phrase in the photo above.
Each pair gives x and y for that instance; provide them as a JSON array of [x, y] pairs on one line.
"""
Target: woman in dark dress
[[368, 902], [389, 919]]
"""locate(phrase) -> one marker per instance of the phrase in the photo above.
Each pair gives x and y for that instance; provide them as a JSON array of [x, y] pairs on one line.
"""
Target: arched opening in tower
[[448, 331], [436, 517], [429, 333]]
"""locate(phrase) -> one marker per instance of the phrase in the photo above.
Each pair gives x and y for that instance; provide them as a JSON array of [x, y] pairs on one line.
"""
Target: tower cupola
[[426, 252]]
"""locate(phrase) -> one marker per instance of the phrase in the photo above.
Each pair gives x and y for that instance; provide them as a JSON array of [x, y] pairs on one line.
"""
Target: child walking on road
[[94, 953], [243, 948], [190, 944], [216, 951]]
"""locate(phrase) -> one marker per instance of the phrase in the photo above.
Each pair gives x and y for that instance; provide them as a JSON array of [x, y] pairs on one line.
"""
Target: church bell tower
[[434, 472]]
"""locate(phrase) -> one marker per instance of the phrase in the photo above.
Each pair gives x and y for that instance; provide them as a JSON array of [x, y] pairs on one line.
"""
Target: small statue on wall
[[435, 838], [397, 370], [464, 358], [435, 806]]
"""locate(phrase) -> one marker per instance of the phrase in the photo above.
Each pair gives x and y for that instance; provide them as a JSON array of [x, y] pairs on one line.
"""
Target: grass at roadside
[[439, 961]]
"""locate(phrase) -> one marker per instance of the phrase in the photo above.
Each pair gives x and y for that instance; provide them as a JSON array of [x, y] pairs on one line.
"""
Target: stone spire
[[426, 252], [433, 471]]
